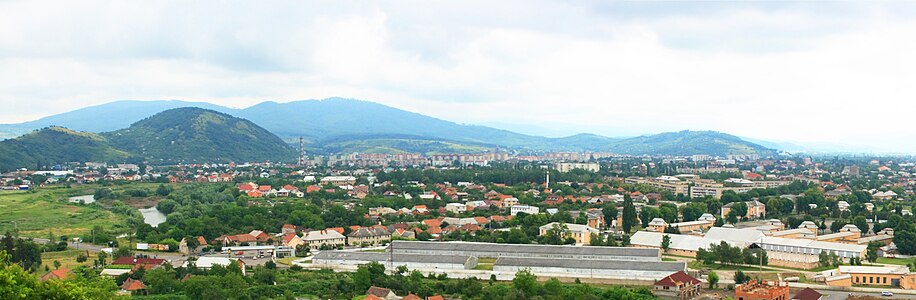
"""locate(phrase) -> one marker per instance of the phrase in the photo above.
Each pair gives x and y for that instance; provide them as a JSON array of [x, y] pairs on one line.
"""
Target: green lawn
[[894, 261], [699, 265]]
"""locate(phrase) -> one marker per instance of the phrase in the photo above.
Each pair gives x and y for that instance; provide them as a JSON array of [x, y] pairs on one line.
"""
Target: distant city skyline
[[813, 73]]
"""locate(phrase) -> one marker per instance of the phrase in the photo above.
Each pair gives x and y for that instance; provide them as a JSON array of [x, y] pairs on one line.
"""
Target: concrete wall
[[587, 273]]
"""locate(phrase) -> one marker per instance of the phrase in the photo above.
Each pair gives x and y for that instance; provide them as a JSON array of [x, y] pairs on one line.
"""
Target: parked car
[[887, 294]]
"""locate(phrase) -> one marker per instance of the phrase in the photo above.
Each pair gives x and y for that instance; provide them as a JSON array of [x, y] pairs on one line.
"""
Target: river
[[152, 216]]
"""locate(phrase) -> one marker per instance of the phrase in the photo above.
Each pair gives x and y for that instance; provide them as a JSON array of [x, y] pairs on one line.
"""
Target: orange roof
[[372, 297], [338, 229], [56, 274], [312, 189], [132, 285], [433, 223], [411, 296], [436, 297], [290, 187], [264, 188]]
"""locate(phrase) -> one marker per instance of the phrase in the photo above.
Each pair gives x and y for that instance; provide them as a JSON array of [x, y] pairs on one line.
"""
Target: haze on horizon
[[837, 73]]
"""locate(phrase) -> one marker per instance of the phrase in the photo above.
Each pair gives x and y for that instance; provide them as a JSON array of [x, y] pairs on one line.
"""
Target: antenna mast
[[301, 152]]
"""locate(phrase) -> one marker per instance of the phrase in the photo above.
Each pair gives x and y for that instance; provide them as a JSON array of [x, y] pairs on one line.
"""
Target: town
[[673, 227]]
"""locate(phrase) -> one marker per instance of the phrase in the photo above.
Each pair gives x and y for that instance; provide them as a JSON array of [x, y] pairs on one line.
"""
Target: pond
[[152, 216], [85, 199]]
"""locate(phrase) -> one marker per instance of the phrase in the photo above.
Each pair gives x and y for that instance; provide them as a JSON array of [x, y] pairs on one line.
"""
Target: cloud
[[836, 72]]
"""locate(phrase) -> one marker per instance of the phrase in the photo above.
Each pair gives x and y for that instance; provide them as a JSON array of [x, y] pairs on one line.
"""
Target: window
[[884, 280]]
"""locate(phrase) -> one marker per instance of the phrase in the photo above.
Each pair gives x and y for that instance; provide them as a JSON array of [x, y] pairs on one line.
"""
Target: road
[[841, 295], [171, 257]]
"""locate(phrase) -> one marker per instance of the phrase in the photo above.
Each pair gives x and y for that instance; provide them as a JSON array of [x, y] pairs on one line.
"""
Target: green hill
[[199, 135], [56, 145], [688, 143]]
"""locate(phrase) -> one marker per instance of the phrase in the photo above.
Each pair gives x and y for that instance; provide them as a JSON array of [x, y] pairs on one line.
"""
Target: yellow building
[[581, 233]]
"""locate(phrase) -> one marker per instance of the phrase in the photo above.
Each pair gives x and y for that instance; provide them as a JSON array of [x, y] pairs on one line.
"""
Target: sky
[[840, 73]]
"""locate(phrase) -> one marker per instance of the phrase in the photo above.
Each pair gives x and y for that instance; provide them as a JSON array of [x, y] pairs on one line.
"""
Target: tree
[[629, 214], [610, 213], [871, 254], [693, 211], [740, 209], [647, 214], [741, 278], [666, 242], [861, 222], [56, 264], [823, 259], [713, 279], [526, 283], [905, 241]]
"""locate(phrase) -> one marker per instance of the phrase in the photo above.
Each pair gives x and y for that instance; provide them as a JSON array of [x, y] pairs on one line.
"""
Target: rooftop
[[520, 248], [385, 256], [592, 264]]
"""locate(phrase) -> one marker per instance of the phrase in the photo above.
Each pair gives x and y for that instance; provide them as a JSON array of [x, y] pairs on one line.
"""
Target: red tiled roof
[[411, 297], [436, 297], [132, 285], [56, 274], [338, 229], [264, 188], [378, 291], [127, 260], [372, 297], [676, 279]]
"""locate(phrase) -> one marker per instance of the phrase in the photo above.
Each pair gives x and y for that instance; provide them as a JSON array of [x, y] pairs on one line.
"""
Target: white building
[[527, 209]]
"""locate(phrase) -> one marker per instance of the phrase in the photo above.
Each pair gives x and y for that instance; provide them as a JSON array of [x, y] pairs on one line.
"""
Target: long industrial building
[[411, 261], [524, 251], [634, 270]]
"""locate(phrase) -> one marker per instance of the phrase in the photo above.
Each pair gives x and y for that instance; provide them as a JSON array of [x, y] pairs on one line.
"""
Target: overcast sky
[[815, 72]]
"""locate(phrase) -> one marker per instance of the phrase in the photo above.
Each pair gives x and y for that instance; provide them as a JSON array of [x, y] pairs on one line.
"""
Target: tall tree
[[629, 214]]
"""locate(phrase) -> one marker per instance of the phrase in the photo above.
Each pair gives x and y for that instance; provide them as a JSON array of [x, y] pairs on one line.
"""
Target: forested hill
[[56, 145], [199, 135]]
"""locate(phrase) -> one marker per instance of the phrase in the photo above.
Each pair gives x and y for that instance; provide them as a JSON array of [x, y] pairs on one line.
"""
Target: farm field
[[46, 210]]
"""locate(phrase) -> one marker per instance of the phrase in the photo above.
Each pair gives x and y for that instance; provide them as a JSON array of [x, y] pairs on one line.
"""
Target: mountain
[[193, 134], [337, 125], [56, 145], [105, 117], [318, 120], [688, 143]]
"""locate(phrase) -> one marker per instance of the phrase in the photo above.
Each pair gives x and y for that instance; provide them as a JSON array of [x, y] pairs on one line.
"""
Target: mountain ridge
[[327, 125]]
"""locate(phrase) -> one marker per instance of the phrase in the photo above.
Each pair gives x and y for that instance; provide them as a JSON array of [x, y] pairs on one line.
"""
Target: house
[[456, 208], [244, 239], [755, 209], [205, 263], [368, 236], [657, 225], [292, 240], [530, 210], [328, 238], [185, 248], [382, 293], [59, 274], [139, 262], [580, 233], [808, 294], [411, 296], [679, 285], [134, 287]]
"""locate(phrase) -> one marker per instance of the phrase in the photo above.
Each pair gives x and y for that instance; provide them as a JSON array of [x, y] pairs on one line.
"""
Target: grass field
[[894, 261], [46, 209], [288, 260], [67, 259]]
